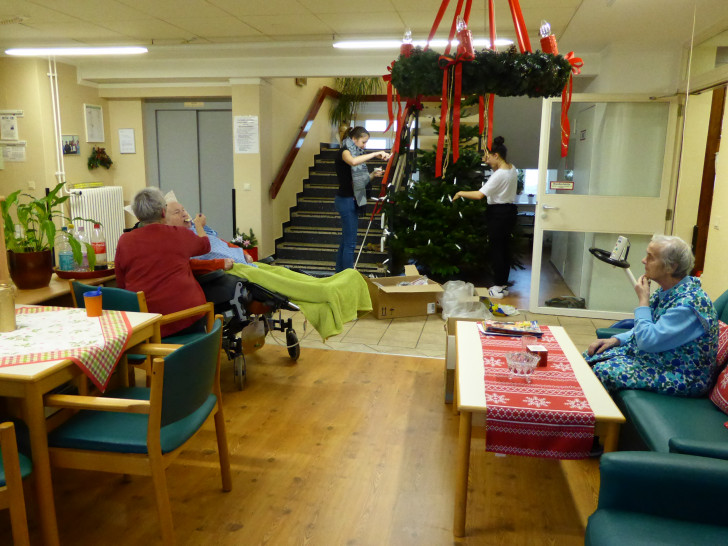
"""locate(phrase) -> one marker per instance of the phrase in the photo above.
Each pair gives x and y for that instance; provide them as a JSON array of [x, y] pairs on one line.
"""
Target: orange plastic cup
[[92, 301]]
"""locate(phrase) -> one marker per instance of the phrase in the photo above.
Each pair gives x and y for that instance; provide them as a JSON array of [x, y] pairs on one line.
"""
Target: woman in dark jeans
[[500, 190], [353, 176]]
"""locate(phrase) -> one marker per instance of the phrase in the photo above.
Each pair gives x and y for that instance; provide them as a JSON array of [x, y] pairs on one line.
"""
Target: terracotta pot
[[31, 269]]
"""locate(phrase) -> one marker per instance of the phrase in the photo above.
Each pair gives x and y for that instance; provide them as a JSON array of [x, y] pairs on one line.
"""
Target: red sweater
[[156, 259]]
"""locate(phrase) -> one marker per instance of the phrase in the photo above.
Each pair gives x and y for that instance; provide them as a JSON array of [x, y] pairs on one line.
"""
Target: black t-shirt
[[343, 173]]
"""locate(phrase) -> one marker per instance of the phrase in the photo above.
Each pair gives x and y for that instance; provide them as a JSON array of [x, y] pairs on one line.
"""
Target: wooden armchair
[[137, 430], [13, 469]]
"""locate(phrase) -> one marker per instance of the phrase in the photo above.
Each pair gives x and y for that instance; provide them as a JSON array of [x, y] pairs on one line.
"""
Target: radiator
[[105, 205]]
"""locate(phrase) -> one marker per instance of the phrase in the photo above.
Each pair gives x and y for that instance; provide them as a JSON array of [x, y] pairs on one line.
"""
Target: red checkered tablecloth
[[43, 334], [549, 417]]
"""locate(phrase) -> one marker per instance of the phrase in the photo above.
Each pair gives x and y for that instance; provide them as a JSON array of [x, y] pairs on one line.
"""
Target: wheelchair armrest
[[212, 276]]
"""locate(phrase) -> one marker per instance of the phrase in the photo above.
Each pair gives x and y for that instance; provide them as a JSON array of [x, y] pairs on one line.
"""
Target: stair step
[[324, 268], [323, 252], [328, 235]]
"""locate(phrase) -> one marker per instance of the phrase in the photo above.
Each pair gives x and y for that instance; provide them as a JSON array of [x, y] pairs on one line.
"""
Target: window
[[377, 143], [375, 125]]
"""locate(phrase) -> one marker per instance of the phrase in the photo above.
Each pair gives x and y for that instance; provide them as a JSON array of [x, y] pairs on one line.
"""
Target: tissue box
[[541, 351]]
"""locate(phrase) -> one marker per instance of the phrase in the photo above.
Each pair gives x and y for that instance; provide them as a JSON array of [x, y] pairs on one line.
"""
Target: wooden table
[[470, 398], [54, 293], [29, 383]]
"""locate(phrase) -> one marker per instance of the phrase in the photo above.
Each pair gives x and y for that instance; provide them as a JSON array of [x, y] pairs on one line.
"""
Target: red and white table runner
[[549, 417], [43, 334]]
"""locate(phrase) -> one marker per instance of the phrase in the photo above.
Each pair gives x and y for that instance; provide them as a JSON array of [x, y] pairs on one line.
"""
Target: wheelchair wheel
[[294, 348], [239, 371]]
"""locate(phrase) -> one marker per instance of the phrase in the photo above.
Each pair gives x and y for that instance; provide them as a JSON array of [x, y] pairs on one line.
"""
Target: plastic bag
[[457, 300], [253, 336]]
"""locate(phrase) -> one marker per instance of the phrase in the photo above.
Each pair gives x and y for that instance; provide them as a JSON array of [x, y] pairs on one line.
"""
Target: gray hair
[[149, 205], [675, 253]]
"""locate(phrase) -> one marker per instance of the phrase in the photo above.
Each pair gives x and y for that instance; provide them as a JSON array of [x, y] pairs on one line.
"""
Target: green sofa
[[657, 498], [658, 422]]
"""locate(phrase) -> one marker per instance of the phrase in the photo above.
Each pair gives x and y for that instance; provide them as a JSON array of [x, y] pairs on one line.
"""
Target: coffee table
[[470, 398]]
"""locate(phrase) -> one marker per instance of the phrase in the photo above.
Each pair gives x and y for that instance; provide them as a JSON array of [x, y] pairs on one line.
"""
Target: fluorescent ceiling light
[[74, 51], [394, 44]]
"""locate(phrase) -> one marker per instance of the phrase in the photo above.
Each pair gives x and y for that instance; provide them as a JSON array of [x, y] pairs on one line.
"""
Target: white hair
[[148, 205], [675, 254]]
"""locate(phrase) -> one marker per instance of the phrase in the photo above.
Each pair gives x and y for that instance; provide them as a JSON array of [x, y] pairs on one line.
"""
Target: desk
[[470, 398], [54, 292], [29, 383]]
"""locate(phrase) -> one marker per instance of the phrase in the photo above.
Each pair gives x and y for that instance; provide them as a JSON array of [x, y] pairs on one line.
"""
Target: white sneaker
[[497, 292]]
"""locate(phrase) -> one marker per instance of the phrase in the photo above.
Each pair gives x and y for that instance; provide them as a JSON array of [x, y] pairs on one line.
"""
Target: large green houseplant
[[352, 92], [34, 242]]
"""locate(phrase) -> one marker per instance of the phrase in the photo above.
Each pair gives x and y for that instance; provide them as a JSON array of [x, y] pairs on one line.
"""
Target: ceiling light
[[394, 44], [74, 51]]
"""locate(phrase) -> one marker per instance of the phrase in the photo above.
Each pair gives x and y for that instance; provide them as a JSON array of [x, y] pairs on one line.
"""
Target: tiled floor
[[419, 336]]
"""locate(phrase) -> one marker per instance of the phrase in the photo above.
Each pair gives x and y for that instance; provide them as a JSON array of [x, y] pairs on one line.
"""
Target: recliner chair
[[648, 498]]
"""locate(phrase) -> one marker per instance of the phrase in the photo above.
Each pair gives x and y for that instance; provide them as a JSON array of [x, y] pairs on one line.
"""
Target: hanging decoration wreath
[[506, 74], [484, 74]]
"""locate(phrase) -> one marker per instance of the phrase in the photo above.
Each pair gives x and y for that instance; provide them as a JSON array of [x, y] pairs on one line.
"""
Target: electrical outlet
[[31, 184]]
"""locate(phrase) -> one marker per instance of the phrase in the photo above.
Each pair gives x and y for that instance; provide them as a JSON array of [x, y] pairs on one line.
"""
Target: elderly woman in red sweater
[[155, 258]]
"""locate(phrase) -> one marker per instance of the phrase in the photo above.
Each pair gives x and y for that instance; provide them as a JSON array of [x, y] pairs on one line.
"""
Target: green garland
[[506, 74]]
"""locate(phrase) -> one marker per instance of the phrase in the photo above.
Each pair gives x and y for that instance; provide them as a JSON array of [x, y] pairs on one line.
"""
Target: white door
[[614, 181]]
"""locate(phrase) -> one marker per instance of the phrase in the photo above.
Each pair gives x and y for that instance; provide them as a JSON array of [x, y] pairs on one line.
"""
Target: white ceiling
[[231, 31]]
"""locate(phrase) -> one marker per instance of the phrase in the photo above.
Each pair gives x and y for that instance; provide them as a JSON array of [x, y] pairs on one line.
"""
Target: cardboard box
[[392, 301], [451, 356]]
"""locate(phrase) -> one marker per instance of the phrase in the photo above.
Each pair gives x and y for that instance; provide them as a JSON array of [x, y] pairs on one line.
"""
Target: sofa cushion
[[719, 394], [722, 344], [675, 424]]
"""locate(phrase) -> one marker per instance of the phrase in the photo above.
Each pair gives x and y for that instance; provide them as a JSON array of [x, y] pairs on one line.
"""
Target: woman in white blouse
[[500, 192]]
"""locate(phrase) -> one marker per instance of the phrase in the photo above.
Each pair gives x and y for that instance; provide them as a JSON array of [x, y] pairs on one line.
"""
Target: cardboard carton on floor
[[392, 301]]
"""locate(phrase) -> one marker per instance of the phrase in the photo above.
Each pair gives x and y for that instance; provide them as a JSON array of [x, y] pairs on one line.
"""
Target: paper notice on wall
[[14, 151], [245, 133], [8, 127]]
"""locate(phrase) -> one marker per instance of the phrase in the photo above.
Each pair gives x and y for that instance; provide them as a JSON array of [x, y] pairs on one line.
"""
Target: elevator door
[[191, 153]]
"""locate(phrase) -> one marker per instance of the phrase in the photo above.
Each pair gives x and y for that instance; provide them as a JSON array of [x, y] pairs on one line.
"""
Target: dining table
[[28, 376]]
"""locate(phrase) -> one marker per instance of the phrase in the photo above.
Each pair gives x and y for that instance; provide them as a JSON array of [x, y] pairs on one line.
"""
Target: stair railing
[[298, 141]]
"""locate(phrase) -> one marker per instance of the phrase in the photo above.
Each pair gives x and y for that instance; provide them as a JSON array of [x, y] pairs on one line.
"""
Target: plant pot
[[253, 251], [31, 270]]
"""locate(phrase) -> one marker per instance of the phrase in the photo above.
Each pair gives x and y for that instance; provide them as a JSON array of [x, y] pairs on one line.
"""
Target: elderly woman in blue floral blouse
[[672, 347]]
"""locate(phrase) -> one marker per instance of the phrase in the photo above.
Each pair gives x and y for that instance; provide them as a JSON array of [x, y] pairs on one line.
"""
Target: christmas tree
[[446, 239]]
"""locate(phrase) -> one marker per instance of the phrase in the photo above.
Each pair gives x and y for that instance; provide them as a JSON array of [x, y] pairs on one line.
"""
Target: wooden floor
[[340, 448]]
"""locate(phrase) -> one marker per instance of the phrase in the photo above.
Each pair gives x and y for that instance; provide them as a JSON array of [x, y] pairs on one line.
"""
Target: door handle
[[549, 207]]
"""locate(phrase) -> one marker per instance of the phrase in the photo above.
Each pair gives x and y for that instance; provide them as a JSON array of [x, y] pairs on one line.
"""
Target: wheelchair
[[242, 304]]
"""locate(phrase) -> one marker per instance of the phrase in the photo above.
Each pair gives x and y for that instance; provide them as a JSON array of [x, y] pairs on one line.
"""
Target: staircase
[[311, 237]]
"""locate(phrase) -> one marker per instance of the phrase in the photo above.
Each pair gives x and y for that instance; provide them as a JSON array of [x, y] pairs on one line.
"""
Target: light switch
[[247, 187], [716, 222]]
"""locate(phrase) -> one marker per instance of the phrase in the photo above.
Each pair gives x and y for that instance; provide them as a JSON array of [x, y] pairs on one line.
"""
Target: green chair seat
[[620, 528], [693, 426], [26, 467], [126, 432]]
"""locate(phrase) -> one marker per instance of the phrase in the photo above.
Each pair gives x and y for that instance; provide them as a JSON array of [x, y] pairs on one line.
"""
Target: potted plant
[[247, 241], [352, 92], [30, 244]]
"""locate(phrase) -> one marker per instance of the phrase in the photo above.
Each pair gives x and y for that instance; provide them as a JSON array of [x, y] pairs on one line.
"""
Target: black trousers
[[501, 221]]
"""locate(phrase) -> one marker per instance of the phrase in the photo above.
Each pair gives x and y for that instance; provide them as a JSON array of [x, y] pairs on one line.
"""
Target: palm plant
[[352, 92]]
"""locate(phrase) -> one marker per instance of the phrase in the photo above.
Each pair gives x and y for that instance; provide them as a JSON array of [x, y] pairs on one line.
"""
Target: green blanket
[[328, 303]]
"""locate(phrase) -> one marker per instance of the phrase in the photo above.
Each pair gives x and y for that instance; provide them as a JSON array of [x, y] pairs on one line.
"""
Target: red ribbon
[[576, 64], [524, 43], [390, 111]]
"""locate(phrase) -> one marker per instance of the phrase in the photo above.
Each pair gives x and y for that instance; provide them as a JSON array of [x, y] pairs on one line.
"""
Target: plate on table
[[83, 274]]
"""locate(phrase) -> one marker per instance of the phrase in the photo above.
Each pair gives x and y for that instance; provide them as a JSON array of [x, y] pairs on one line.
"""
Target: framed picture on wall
[[94, 117], [69, 145]]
